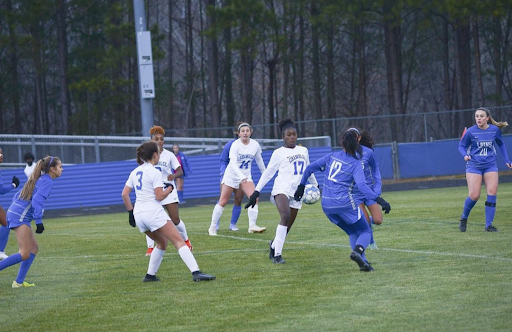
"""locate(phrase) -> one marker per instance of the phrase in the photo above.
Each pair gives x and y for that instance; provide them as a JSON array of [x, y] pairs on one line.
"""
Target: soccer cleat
[[24, 284], [212, 231], [373, 246], [256, 229], [363, 265], [271, 251], [278, 260], [462, 224], [233, 228], [491, 229], [150, 250], [150, 278], [187, 242], [200, 276], [3, 255]]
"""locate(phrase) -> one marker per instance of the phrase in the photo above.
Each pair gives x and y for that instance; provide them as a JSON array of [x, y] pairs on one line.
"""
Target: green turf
[[428, 275]]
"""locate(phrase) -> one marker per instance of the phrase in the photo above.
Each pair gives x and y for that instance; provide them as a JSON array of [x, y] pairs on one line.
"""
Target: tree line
[[69, 67]]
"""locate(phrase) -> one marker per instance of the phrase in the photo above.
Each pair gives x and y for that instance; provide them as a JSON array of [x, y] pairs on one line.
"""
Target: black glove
[[299, 192], [385, 205], [252, 199], [167, 184], [131, 218], [39, 229], [15, 181]]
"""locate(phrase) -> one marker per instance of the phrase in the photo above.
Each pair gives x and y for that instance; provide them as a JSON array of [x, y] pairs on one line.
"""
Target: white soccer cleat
[[256, 229], [233, 228], [212, 231], [3, 255]]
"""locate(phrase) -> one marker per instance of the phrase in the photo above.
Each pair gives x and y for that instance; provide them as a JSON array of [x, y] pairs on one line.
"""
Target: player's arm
[[126, 197], [464, 143], [44, 187], [259, 160], [312, 177], [269, 172], [374, 164], [503, 149]]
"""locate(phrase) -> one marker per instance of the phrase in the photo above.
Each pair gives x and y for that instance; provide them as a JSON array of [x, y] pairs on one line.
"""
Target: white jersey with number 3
[[240, 160], [144, 179], [290, 163]]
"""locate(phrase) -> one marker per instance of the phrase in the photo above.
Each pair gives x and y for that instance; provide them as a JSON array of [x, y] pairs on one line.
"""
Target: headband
[[243, 125], [48, 167], [487, 112], [356, 130]]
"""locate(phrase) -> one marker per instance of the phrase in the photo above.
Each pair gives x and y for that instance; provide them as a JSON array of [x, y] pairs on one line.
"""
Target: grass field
[[428, 275]]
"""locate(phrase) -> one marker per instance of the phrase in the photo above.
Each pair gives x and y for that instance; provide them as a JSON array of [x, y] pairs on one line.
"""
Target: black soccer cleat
[[271, 252], [462, 224], [150, 278], [278, 260], [363, 265], [491, 229], [200, 276]]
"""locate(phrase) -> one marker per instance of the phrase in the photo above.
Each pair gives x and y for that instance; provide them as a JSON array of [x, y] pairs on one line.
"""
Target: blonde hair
[[499, 124], [42, 167]]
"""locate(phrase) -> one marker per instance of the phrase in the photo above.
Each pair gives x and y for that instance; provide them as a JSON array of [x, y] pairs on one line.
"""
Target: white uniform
[[240, 161], [148, 212], [290, 165], [29, 170], [167, 163]]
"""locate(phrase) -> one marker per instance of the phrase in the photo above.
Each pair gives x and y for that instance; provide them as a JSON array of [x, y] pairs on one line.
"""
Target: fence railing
[[95, 149]]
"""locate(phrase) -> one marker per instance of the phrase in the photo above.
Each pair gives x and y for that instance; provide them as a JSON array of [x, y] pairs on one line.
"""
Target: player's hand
[[385, 205], [15, 181], [167, 185], [39, 228], [170, 177], [509, 165], [131, 218], [252, 199], [467, 158], [299, 192]]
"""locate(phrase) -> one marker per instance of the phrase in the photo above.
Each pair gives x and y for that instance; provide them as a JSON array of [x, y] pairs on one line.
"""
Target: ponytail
[[499, 124], [350, 144], [42, 167]]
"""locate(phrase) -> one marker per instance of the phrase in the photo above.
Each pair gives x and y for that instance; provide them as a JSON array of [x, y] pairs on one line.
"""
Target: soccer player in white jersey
[[238, 175], [478, 147], [149, 216], [289, 161], [167, 163]]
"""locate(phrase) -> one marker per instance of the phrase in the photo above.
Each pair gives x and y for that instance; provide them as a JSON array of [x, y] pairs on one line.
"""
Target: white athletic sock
[[281, 232], [183, 230], [188, 258], [217, 213], [252, 213], [155, 260], [150, 242]]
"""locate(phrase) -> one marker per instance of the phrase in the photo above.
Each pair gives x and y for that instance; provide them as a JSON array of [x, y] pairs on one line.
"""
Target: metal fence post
[[396, 165], [97, 149]]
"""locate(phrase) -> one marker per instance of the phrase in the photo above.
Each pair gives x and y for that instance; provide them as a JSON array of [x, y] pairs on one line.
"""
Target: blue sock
[[24, 266], [235, 214], [180, 195], [372, 241], [4, 237], [468, 205], [11, 260], [490, 210]]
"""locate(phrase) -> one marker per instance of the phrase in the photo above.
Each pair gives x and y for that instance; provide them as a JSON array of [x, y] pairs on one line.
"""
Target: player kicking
[[289, 161]]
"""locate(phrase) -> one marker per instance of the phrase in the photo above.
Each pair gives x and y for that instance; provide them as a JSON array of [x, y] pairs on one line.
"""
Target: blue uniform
[[23, 212], [4, 230], [480, 145], [371, 175], [224, 158], [343, 173]]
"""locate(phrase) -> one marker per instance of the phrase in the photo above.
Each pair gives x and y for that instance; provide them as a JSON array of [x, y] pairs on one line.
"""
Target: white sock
[[279, 239], [252, 213], [155, 260], [183, 230], [188, 258], [217, 213], [150, 242]]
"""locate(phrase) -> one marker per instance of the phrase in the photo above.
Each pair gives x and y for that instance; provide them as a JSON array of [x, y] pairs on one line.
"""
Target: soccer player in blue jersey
[[28, 205], [239, 194], [4, 229], [477, 146], [373, 180], [343, 171]]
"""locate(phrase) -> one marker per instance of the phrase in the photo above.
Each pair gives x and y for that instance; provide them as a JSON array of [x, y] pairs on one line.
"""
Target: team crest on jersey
[[291, 159]]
